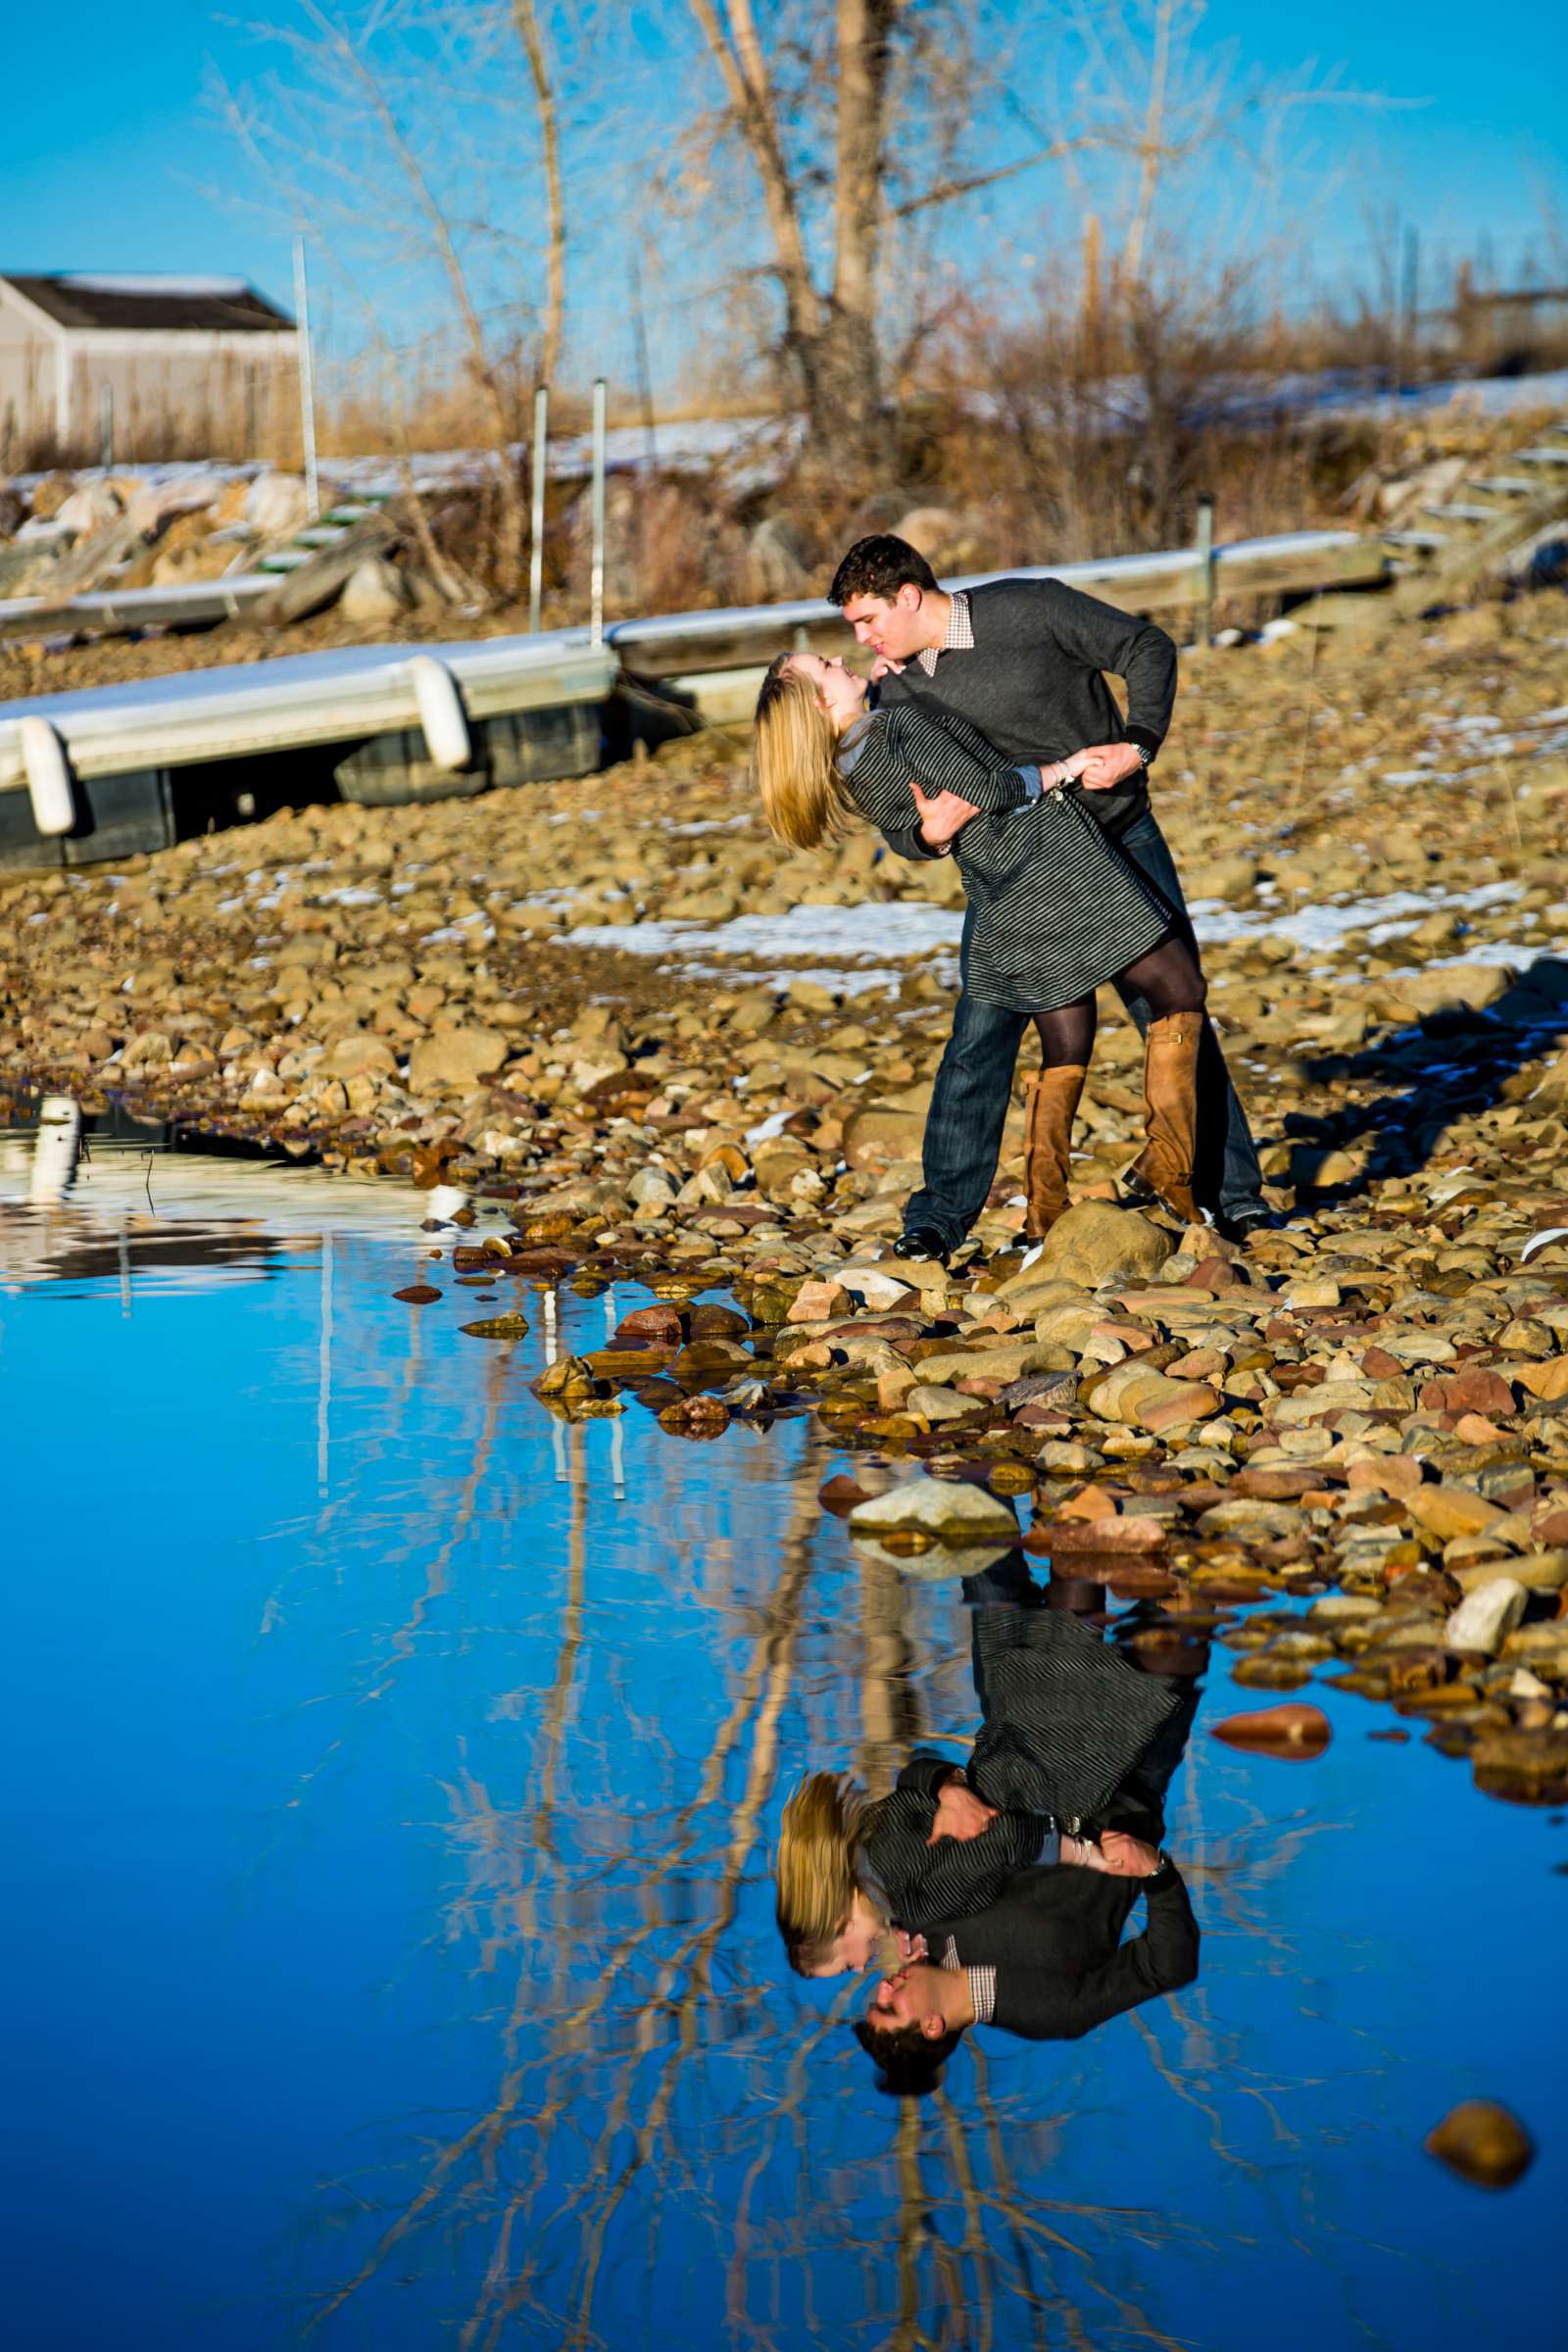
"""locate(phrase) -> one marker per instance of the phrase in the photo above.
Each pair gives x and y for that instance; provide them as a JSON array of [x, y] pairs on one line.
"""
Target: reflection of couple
[[997, 1892], [992, 722]]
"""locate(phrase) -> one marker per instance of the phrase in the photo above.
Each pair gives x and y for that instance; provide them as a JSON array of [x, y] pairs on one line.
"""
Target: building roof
[[207, 305]]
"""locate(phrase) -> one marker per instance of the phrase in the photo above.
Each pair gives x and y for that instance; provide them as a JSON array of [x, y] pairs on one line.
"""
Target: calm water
[[390, 1960]]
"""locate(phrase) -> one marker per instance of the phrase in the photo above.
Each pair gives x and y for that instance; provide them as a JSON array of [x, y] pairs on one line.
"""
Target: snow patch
[[895, 928]]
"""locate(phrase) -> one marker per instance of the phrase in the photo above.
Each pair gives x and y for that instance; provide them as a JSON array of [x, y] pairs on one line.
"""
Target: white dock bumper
[[441, 713], [48, 772]]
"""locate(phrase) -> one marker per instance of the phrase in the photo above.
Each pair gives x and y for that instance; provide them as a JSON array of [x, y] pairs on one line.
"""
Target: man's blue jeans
[[974, 1086]]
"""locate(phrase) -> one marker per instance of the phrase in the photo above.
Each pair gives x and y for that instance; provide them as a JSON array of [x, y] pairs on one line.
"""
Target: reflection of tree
[[664, 1987], [656, 2092]]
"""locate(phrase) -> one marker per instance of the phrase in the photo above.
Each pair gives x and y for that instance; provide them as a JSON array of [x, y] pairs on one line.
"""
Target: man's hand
[[1127, 1857], [1109, 763], [961, 1813], [942, 817]]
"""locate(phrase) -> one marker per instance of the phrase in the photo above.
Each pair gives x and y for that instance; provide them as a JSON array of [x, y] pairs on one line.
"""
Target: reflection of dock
[[92, 1199]]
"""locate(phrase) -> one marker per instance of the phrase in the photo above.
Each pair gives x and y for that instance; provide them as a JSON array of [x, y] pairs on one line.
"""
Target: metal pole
[[302, 321], [536, 550], [324, 1376], [107, 414], [1409, 302], [596, 588], [1205, 565], [1412, 304]]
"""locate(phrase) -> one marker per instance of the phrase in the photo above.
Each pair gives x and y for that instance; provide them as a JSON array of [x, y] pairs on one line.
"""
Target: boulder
[[776, 568], [456, 1059], [947, 540], [90, 509], [1453, 987], [154, 506], [1096, 1242], [276, 505], [375, 591], [50, 495]]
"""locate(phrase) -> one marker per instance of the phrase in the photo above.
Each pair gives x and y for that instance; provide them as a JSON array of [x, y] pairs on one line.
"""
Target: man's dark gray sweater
[[1033, 683]]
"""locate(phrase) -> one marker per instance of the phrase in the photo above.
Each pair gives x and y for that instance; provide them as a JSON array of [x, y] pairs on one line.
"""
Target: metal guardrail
[[1294, 559]]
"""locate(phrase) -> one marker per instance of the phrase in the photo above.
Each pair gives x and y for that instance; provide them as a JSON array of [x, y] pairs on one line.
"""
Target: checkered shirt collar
[[959, 638]]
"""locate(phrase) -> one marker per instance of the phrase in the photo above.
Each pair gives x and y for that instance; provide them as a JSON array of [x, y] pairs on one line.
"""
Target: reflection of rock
[[1483, 2143]]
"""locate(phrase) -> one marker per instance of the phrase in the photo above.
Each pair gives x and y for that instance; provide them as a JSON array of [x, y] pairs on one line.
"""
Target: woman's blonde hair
[[814, 1870], [795, 761]]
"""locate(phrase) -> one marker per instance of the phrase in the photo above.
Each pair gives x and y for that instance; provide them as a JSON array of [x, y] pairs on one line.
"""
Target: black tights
[[1167, 979]]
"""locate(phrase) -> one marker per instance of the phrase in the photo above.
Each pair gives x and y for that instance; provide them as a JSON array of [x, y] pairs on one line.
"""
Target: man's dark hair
[[880, 567], [910, 2066]]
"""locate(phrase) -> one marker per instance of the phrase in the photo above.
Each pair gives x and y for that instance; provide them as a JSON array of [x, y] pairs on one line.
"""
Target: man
[[1044, 1958], [1024, 662], [1043, 1961]]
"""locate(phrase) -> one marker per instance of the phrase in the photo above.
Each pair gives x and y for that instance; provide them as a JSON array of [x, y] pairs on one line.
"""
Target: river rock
[[1296, 1731], [1483, 2143], [1095, 1242], [954, 1512], [1484, 1617]]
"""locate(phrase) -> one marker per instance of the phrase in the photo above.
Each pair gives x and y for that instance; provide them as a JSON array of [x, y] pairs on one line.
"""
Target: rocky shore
[[649, 1047]]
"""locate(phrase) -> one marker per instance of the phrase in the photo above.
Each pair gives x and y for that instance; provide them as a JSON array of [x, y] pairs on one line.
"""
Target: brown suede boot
[[1054, 1097], [1164, 1167]]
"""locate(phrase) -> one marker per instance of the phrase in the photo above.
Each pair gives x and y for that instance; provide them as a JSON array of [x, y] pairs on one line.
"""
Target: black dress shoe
[[1243, 1226], [924, 1242]]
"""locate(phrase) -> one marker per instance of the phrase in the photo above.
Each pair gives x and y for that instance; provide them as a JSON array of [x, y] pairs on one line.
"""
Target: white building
[[164, 366]]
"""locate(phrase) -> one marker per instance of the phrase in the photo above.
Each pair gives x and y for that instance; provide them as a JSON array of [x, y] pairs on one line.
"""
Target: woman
[[1067, 1725], [1054, 907], [834, 1913]]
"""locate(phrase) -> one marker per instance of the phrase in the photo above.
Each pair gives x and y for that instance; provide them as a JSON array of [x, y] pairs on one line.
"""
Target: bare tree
[[525, 16], [854, 116], [395, 137]]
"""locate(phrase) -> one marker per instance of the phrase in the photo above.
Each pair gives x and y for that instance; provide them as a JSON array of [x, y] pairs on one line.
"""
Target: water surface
[[392, 1775]]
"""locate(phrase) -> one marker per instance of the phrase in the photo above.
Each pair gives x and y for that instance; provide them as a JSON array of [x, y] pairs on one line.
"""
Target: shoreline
[[1366, 1410]]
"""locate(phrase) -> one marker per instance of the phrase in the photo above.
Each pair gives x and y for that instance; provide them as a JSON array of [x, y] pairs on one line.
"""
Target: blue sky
[[114, 164]]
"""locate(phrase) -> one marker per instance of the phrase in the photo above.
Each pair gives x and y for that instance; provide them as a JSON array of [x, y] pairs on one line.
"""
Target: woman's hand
[[942, 817], [911, 1948]]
